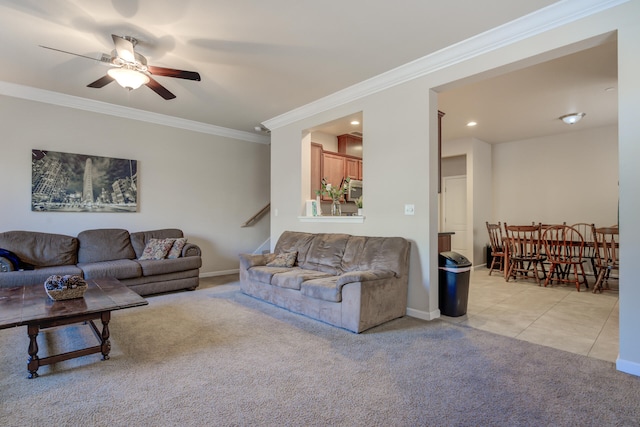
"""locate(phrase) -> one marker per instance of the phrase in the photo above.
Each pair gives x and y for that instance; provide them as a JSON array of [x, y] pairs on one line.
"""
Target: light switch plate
[[409, 209]]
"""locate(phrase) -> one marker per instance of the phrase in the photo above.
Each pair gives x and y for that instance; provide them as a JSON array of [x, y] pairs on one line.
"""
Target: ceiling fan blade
[[159, 89], [124, 48], [103, 58], [101, 82], [170, 72]]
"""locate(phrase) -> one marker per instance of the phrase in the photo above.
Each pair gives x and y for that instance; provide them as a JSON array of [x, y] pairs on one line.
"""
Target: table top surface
[[22, 305]]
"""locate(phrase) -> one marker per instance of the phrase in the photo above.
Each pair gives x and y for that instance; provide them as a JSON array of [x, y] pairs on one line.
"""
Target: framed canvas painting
[[65, 182]]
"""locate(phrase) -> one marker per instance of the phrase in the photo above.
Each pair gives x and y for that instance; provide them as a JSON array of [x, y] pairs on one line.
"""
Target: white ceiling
[[528, 103], [259, 59]]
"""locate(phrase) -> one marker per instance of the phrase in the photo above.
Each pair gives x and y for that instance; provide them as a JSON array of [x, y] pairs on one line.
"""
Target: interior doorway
[[454, 212]]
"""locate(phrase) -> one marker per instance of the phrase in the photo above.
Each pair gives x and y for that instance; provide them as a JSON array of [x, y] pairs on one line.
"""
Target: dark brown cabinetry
[[332, 166], [316, 168], [350, 144], [444, 241], [440, 115], [353, 168]]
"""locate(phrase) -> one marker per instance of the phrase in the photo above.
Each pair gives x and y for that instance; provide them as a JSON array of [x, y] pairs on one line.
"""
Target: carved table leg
[[105, 345], [33, 363]]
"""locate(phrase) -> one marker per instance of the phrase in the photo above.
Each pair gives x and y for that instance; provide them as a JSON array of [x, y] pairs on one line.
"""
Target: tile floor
[[558, 316]]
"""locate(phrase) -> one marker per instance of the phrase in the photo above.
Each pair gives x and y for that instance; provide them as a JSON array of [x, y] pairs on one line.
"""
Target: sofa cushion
[[293, 278], [285, 259], [295, 241], [364, 253], [139, 239], [156, 249], [325, 253], [37, 276], [41, 249], [176, 249], [155, 267], [325, 288], [262, 273], [120, 269], [105, 244]]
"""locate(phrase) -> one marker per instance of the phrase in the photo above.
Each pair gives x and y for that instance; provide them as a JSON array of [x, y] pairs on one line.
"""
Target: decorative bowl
[[65, 287]]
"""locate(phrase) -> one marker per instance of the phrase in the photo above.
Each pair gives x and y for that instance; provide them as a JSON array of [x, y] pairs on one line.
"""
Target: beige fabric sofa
[[352, 282], [100, 253]]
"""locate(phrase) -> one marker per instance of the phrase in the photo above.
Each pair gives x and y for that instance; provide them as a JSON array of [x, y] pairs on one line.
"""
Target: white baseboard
[[219, 273], [627, 366], [424, 315]]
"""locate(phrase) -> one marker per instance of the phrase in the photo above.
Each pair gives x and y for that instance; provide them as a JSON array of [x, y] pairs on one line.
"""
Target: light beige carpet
[[217, 357]]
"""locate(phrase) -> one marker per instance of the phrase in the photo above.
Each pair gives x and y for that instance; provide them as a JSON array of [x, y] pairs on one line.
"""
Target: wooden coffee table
[[31, 306]]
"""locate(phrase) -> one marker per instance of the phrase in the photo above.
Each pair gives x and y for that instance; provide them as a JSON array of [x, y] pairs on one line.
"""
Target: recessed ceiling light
[[572, 118], [471, 124], [355, 122]]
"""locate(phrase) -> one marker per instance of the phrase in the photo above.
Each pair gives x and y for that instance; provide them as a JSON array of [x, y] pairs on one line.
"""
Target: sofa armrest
[[191, 249], [251, 260], [363, 276]]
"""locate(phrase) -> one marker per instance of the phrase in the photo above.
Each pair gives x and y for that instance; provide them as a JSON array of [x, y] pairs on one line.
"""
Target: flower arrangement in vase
[[335, 193]]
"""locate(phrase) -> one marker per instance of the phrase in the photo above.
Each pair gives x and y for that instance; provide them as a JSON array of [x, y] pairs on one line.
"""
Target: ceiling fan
[[130, 69]]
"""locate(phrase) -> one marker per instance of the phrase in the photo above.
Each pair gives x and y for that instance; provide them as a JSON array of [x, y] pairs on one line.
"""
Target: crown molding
[[538, 22], [64, 100]]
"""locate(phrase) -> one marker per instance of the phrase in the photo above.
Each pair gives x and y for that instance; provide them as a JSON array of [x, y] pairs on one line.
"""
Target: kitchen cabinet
[[316, 168], [440, 115], [333, 169], [350, 144], [332, 166], [353, 168]]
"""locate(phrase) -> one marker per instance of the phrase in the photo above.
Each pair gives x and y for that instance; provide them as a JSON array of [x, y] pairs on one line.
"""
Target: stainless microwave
[[355, 190]]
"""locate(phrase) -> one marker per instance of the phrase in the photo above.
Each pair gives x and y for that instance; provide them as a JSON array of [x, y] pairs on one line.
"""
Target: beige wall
[[328, 142], [574, 176], [570, 177], [399, 127], [206, 185]]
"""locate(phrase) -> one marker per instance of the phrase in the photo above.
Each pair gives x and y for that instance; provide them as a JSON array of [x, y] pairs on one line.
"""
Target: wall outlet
[[409, 209]]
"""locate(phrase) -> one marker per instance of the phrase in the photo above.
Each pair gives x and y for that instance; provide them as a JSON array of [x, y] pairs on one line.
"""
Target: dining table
[[506, 245]]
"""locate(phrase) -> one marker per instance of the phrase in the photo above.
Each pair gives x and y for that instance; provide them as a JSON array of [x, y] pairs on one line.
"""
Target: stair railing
[[257, 216]]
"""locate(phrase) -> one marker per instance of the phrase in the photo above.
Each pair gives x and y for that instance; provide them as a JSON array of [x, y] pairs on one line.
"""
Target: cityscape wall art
[[64, 182]]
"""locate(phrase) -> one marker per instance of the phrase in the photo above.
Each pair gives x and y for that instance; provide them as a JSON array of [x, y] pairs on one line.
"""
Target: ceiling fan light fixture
[[572, 118], [128, 78]]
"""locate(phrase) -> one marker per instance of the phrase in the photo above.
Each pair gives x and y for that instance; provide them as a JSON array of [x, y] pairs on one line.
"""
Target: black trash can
[[454, 273]]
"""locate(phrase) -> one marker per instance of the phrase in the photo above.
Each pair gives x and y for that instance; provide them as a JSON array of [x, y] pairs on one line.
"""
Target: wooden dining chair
[[543, 227], [497, 248], [589, 253], [524, 251], [607, 246], [564, 247]]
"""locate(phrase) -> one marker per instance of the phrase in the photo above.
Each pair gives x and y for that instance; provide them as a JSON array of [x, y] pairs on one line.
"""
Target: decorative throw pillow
[[157, 248], [285, 259], [176, 249]]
